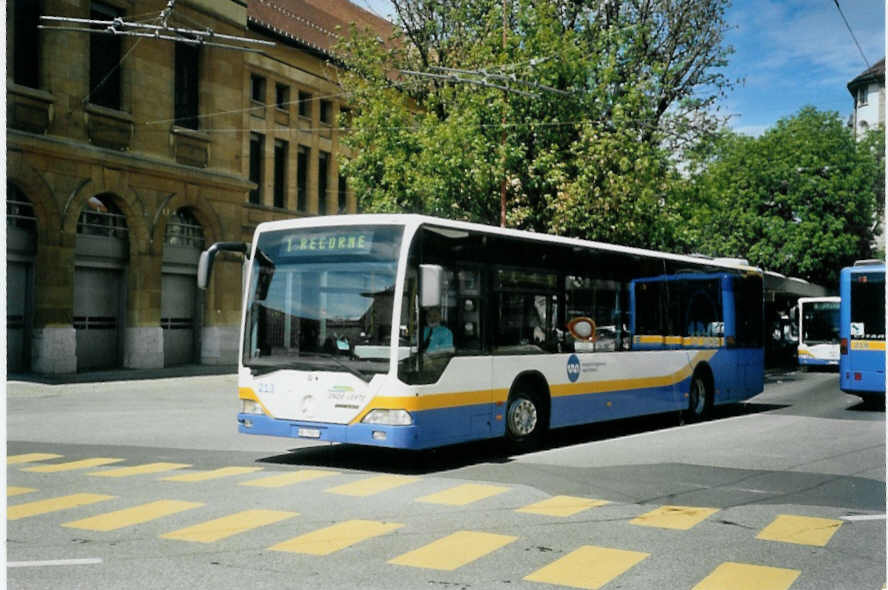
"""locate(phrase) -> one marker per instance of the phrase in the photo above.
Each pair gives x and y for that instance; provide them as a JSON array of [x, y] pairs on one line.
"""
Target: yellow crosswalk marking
[[214, 474], [674, 517], [802, 530], [372, 485], [228, 526], [131, 516], [31, 457], [140, 469], [744, 576], [53, 505], [454, 551], [588, 567], [18, 491], [339, 536], [286, 479], [72, 465], [562, 506], [462, 495]]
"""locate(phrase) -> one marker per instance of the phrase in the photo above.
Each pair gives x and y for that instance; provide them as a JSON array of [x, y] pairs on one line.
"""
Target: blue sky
[[790, 53]]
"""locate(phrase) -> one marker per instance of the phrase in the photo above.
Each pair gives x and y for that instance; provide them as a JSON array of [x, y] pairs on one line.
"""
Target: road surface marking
[[856, 517], [454, 551], [588, 567], [462, 495], [286, 479], [18, 491], [339, 536], [53, 505], [30, 457], [562, 506], [140, 469], [72, 465], [55, 562], [744, 576], [119, 519], [372, 485], [674, 517], [228, 526], [801, 530], [214, 474]]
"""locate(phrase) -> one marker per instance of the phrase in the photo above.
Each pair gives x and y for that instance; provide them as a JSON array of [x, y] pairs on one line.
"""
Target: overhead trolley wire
[[848, 26]]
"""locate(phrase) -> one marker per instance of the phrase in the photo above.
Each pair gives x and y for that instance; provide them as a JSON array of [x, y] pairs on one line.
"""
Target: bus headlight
[[388, 417], [249, 406]]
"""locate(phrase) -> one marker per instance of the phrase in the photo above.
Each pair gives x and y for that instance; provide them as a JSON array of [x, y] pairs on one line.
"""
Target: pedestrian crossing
[[586, 566]]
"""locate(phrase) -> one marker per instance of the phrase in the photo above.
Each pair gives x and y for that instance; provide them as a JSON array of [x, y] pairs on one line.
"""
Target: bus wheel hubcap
[[522, 417]]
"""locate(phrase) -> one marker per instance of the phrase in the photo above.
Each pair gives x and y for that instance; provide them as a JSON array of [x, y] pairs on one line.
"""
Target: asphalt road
[[147, 484]]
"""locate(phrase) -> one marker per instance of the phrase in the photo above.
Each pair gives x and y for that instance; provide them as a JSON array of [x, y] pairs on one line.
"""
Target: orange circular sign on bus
[[582, 328]]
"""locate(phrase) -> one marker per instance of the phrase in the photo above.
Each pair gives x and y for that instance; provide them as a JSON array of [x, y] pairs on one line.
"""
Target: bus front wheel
[[525, 420]]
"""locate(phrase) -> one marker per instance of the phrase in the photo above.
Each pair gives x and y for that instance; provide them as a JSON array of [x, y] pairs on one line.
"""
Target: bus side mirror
[[431, 277], [203, 270], [205, 264]]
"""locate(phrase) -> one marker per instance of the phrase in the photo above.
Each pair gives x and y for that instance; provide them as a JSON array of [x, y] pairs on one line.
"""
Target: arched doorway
[[180, 303], [21, 247], [101, 256]]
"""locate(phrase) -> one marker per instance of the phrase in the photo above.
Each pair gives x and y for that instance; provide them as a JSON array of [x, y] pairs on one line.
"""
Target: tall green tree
[[549, 101], [801, 199]]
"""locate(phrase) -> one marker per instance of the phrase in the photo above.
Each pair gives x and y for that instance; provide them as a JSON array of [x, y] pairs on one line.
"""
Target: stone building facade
[[127, 155]]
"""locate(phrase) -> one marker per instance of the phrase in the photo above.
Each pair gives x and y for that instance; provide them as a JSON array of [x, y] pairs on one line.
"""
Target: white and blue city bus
[[862, 330], [415, 332], [818, 326]]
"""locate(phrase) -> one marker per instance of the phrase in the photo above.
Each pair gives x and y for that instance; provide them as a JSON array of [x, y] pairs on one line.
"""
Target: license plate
[[309, 433]]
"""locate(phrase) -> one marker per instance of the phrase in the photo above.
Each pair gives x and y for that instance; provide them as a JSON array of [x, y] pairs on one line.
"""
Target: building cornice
[[64, 148]]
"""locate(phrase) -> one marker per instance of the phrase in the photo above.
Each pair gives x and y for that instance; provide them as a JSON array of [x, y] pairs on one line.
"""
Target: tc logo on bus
[[574, 368]]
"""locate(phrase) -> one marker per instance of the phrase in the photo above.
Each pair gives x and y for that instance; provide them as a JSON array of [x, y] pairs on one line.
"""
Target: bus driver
[[437, 338]]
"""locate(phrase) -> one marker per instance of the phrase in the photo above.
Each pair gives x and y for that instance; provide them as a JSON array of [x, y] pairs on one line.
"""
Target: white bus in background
[[818, 331]]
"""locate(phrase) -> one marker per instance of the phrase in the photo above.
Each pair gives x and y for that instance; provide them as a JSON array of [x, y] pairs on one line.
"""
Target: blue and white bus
[[415, 332], [818, 326], [862, 330]]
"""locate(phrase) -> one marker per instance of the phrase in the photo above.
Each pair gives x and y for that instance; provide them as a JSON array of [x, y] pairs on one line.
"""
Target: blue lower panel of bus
[[812, 362], [585, 408], [430, 428], [404, 437], [863, 382], [863, 372]]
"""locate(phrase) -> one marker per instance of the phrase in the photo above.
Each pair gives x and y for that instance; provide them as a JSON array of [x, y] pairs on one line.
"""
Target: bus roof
[[409, 220], [866, 266]]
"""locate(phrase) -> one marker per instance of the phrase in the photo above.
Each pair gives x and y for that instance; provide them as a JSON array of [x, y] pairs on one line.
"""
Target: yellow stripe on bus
[[486, 396], [868, 345]]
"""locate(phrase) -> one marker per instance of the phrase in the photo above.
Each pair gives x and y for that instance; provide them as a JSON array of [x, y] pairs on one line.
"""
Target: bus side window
[[593, 302]]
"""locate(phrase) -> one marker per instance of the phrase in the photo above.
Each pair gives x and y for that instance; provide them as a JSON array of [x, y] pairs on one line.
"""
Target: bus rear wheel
[[525, 422], [699, 400]]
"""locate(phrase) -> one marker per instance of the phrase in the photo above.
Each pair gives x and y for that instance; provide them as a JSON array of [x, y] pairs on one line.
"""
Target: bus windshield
[[820, 322], [321, 299]]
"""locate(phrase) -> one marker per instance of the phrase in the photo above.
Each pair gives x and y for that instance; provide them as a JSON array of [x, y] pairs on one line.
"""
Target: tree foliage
[[802, 199], [572, 107]]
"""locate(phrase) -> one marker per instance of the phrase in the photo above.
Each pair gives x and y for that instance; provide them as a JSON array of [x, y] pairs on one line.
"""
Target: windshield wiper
[[351, 370], [305, 364]]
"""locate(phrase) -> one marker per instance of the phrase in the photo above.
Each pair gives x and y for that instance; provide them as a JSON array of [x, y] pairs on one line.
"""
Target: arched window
[[102, 217], [19, 210], [184, 230]]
